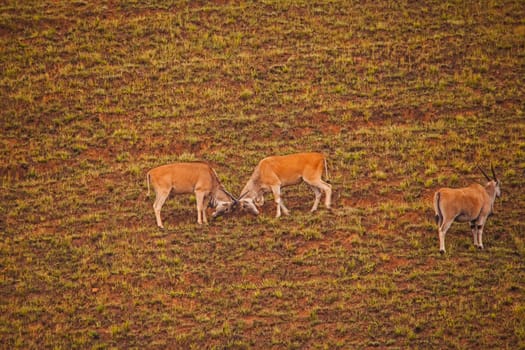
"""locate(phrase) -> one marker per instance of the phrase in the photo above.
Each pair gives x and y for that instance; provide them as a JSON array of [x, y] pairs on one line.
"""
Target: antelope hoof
[[442, 251], [480, 247]]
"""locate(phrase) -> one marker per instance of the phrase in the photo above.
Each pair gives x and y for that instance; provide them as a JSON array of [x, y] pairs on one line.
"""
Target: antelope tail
[[439, 214], [148, 180], [326, 170]]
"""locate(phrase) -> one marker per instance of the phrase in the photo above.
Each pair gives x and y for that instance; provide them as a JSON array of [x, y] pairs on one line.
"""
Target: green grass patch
[[403, 98]]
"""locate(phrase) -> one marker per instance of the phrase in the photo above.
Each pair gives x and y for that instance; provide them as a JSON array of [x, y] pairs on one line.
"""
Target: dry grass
[[403, 98]]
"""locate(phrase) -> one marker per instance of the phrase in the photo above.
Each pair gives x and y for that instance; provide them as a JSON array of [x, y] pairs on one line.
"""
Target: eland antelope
[[191, 177], [472, 204], [273, 173]]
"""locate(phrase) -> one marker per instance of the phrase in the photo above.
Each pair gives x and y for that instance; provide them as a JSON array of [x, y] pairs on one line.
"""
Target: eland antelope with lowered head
[[472, 204], [273, 173], [191, 177]]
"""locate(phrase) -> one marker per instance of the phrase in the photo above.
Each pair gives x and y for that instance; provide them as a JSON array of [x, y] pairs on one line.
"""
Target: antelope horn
[[229, 194], [484, 173], [242, 195], [493, 173]]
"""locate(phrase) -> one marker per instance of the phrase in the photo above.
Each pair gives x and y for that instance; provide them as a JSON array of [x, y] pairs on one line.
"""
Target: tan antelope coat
[[472, 204], [189, 177], [273, 173]]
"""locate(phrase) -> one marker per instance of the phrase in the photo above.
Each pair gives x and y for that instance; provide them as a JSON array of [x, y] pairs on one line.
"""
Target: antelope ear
[[259, 200]]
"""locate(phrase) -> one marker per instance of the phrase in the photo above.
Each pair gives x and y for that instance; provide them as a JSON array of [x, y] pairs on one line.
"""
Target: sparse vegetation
[[403, 98]]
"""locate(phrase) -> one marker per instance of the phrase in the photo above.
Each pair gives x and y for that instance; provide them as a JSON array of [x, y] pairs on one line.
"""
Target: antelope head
[[225, 204], [249, 203], [494, 181]]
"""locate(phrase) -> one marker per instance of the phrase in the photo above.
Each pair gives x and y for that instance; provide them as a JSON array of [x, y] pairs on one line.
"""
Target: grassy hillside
[[403, 97]]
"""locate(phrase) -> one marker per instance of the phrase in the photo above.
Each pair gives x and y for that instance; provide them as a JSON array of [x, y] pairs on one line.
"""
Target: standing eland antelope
[[474, 204], [191, 177], [275, 172]]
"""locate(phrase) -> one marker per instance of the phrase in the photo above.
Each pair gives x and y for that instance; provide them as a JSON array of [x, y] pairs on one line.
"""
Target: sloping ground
[[402, 97]]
